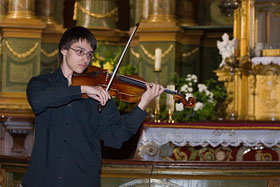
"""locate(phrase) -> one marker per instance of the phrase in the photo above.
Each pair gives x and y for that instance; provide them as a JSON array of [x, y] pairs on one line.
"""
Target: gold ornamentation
[[1, 48], [152, 56], [215, 154], [95, 15], [22, 55], [15, 107], [3, 177], [180, 155], [269, 93], [134, 53], [51, 54], [271, 52], [252, 84], [260, 156], [190, 53]]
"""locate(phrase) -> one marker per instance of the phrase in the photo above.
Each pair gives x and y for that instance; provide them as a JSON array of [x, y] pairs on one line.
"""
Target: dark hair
[[74, 34]]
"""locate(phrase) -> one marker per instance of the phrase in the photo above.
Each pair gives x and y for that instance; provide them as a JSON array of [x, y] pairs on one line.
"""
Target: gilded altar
[[251, 75]]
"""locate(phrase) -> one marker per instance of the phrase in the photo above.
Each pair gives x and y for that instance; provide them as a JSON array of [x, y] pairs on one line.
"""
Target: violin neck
[[141, 84], [170, 91]]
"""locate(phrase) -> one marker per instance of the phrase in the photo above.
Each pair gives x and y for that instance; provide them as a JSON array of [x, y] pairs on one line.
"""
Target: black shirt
[[68, 130]]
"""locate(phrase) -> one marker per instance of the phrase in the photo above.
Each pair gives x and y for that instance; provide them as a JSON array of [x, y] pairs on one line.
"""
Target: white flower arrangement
[[207, 96]]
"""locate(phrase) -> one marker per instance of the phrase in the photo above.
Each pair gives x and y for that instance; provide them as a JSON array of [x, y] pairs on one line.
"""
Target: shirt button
[[59, 177], [69, 104]]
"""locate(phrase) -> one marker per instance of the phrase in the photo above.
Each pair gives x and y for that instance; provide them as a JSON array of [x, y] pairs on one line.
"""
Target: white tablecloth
[[205, 137], [266, 60]]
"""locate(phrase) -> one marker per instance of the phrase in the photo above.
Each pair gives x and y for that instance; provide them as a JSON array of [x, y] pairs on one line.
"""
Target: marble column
[[22, 9], [187, 11], [45, 10], [161, 11], [96, 13]]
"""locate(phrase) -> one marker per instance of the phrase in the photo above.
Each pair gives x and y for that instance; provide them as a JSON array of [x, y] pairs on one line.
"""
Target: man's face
[[77, 57]]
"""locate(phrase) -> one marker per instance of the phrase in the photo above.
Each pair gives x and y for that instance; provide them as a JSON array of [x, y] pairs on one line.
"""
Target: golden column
[[187, 12], [245, 32], [96, 13], [45, 10], [21, 9], [3, 9], [161, 11]]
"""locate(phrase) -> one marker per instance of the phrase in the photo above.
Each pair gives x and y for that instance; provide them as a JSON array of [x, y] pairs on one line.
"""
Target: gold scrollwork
[[134, 53], [51, 54], [152, 56], [21, 55], [190, 53], [180, 155], [268, 93], [1, 48], [15, 107], [95, 15]]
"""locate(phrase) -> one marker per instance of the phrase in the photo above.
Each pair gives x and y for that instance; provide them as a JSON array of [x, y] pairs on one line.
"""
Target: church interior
[[223, 53]]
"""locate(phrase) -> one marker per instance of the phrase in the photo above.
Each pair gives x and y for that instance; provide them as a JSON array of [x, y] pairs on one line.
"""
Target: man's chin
[[79, 70]]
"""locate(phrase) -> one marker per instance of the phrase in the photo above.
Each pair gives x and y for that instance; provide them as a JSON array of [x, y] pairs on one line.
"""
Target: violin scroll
[[188, 103]]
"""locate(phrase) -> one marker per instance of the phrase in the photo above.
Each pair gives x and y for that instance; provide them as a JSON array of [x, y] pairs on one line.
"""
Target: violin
[[127, 88]]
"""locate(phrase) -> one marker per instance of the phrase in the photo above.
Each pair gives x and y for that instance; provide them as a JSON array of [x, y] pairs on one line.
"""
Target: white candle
[[169, 99], [145, 9], [157, 59], [157, 103]]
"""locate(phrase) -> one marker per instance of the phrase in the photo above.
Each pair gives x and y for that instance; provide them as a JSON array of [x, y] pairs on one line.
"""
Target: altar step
[[124, 173]]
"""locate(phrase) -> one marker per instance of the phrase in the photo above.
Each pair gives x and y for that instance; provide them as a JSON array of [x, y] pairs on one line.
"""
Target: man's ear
[[63, 51]]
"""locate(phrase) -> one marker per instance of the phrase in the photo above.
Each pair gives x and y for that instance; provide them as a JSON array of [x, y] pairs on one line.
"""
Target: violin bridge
[[107, 76]]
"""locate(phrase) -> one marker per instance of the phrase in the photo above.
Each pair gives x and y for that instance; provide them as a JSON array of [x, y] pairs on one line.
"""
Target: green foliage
[[208, 98], [106, 59]]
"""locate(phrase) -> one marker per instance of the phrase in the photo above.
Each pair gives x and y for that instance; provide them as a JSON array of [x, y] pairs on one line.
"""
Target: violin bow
[[119, 63]]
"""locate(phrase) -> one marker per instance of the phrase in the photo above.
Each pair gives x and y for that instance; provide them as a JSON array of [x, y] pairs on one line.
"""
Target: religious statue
[[226, 48]]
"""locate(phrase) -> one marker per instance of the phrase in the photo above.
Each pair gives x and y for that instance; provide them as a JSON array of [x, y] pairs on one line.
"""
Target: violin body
[[125, 88], [120, 87]]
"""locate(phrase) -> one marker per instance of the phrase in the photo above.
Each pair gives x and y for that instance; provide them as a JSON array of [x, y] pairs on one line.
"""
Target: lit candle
[[157, 59], [169, 99]]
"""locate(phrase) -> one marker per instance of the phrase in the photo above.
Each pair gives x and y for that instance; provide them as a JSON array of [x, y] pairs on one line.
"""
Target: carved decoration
[[3, 177]]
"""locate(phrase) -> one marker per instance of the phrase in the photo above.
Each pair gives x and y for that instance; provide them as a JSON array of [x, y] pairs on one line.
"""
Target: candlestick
[[157, 102], [157, 59], [169, 99], [156, 117], [170, 114]]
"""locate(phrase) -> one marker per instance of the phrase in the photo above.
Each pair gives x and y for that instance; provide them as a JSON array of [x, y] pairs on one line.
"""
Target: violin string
[[141, 84], [132, 81]]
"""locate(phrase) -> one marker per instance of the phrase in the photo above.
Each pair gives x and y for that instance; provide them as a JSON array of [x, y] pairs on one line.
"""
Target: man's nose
[[85, 58]]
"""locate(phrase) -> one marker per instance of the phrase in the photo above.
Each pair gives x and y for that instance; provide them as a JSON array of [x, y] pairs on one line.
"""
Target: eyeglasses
[[80, 52]]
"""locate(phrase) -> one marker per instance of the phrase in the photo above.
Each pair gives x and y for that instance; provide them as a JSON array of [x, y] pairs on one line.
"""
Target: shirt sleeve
[[41, 94], [114, 128]]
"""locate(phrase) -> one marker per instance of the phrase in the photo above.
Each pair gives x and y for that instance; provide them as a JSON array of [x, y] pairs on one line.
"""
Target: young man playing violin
[[69, 128]]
